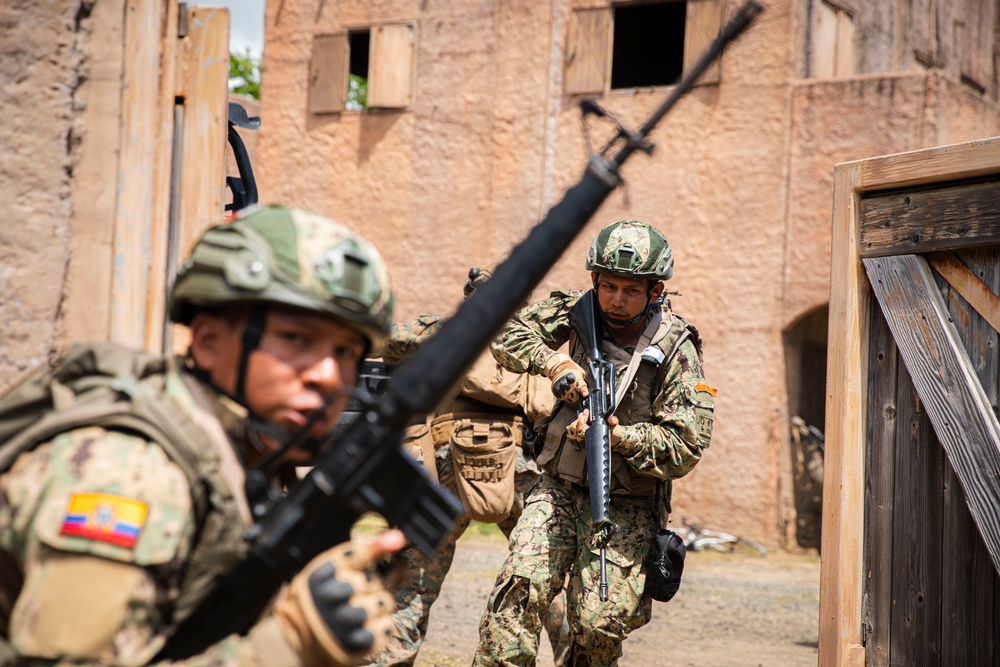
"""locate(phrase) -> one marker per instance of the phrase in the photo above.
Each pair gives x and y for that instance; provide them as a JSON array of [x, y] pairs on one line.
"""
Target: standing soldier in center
[[476, 445], [662, 424]]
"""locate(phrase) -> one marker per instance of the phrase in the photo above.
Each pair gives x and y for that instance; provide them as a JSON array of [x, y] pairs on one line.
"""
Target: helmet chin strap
[[260, 490]]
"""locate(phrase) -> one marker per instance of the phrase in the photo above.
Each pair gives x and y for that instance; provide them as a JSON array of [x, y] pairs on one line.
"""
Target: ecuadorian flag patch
[[105, 518]]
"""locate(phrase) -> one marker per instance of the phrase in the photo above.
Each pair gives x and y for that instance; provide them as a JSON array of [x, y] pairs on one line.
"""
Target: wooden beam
[[843, 484], [159, 233], [946, 381], [139, 131], [940, 218], [932, 165], [95, 184], [880, 481], [965, 282], [202, 74]]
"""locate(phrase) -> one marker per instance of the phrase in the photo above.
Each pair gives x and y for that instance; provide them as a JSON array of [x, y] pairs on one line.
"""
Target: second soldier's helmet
[[632, 249], [277, 255], [477, 277]]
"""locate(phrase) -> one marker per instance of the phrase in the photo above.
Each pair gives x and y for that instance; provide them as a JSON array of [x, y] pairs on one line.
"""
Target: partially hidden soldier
[[476, 442], [122, 473], [662, 424]]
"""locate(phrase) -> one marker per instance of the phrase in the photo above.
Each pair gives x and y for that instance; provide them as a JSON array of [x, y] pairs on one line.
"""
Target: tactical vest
[[117, 388], [567, 459]]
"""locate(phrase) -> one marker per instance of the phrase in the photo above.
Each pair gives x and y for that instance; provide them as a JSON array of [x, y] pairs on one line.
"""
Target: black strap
[[666, 500], [252, 333]]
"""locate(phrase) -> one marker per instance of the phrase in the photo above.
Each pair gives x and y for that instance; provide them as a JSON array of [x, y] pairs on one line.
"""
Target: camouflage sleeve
[[535, 332], [673, 443], [102, 524], [406, 337]]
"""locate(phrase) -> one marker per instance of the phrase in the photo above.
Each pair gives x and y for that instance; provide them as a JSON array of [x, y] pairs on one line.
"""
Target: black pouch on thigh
[[666, 558]]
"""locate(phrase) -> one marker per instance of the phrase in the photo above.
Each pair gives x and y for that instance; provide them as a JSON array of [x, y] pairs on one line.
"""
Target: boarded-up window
[[328, 74], [390, 74], [704, 20], [588, 51], [832, 41]]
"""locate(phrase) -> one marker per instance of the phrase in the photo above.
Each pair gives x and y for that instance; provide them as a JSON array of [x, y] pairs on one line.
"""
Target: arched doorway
[[805, 363]]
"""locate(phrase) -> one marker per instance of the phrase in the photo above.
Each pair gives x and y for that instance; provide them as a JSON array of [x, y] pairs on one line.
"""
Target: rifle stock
[[365, 470]]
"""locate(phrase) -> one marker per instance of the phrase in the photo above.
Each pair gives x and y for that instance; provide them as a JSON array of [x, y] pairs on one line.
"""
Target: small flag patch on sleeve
[[105, 518]]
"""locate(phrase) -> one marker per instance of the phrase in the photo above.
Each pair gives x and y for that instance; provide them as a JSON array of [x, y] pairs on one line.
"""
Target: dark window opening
[[357, 84], [648, 44]]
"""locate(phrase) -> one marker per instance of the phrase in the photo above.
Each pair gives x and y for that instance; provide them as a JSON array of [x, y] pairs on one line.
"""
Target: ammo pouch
[[482, 449], [666, 558]]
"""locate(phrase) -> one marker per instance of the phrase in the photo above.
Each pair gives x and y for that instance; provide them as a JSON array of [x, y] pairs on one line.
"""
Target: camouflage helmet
[[276, 255], [632, 249], [477, 277]]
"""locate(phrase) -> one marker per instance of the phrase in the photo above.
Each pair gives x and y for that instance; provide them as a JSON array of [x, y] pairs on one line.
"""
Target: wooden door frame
[[841, 569]]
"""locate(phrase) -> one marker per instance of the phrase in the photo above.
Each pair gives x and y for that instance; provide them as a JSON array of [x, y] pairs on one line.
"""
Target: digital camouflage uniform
[[425, 574], [98, 594], [665, 419], [109, 536]]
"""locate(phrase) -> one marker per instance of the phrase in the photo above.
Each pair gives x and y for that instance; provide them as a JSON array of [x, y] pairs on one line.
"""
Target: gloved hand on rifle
[[577, 430], [337, 610], [568, 379]]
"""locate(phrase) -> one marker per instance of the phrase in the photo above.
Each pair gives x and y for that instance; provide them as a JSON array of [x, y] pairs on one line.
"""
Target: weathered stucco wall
[[41, 69], [740, 183]]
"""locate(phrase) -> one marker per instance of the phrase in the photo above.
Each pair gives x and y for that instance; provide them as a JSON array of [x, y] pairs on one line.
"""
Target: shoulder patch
[[701, 386], [104, 517]]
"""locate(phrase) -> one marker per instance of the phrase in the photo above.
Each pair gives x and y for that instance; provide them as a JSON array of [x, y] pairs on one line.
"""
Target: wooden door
[[911, 541]]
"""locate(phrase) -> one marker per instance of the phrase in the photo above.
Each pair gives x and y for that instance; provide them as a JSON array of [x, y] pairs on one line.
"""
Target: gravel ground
[[733, 610]]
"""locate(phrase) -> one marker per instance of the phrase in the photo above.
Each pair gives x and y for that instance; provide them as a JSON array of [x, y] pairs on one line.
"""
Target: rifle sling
[[633, 364]]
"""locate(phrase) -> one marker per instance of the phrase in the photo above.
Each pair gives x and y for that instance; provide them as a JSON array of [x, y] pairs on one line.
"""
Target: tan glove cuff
[[617, 435], [559, 366], [271, 647]]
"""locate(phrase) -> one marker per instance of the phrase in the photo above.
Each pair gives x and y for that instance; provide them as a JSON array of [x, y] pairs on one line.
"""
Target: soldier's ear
[[207, 341], [656, 291]]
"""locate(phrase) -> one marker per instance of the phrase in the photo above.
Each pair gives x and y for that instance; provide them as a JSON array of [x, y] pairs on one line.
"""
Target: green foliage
[[357, 93], [244, 75]]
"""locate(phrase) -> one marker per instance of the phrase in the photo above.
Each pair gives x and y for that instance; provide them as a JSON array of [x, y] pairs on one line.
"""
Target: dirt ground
[[733, 610]]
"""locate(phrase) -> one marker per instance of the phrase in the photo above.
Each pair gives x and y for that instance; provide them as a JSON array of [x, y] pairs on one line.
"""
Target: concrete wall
[[42, 70], [740, 183]]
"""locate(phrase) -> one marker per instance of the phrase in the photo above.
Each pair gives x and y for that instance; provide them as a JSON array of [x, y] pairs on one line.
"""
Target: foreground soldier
[[112, 529], [475, 442], [663, 424]]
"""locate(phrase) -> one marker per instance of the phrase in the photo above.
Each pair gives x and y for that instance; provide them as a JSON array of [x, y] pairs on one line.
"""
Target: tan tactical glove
[[577, 430], [567, 377], [337, 611]]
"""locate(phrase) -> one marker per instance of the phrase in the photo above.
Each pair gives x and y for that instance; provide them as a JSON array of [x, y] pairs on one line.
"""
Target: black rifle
[[365, 470], [600, 403]]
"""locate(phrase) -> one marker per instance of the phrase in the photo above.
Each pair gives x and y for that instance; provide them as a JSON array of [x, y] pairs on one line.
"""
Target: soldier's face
[[624, 298], [302, 357]]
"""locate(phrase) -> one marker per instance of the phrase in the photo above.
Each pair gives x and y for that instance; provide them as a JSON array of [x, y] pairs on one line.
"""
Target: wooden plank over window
[[704, 20], [390, 80], [328, 70], [845, 60], [947, 382], [944, 218], [831, 52], [588, 51]]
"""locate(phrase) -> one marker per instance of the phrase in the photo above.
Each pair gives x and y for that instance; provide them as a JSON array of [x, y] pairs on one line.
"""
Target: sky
[[246, 25]]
